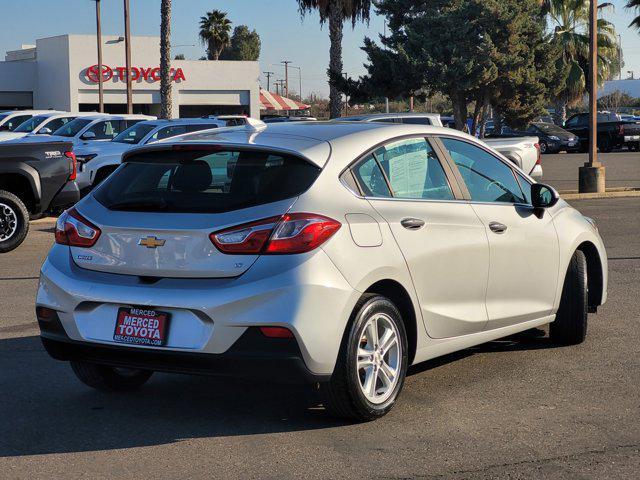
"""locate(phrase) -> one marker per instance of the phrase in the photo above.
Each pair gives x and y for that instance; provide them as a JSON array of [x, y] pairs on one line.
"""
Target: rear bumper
[[66, 197], [536, 172], [252, 356]]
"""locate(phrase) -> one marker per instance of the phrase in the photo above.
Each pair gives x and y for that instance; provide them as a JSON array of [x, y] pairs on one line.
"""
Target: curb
[[613, 193]]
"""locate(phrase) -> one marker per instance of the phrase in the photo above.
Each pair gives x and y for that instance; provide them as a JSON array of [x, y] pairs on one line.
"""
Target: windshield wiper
[[145, 205]]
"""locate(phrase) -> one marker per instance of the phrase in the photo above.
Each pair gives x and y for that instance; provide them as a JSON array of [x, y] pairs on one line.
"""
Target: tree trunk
[[165, 59], [483, 122], [336, 24], [459, 103], [477, 111], [560, 115]]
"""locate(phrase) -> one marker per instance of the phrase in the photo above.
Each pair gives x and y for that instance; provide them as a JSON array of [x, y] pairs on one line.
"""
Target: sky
[[284, 34]]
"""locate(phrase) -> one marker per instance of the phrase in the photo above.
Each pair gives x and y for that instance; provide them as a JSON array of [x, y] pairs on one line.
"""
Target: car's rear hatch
[[157, 212]]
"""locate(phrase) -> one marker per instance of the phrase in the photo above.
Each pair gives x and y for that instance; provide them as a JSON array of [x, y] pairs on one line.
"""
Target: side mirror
[[88, 135], [543, 196], [44, 131]]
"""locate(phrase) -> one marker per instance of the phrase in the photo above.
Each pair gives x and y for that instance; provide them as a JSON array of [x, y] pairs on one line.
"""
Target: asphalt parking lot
[[517, 408], [561, 169]]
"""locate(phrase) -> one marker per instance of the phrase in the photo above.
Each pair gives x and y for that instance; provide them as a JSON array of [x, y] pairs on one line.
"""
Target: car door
[[523, 244], [442, 240]]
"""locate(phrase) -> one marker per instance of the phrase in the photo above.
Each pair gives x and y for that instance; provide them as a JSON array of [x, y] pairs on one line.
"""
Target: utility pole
[[592, 174], [286, 76], [127, 48], [268, 75], [99, 42]]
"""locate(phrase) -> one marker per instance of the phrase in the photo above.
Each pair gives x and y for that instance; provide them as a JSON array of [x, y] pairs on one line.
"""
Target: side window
[[197, 128], [387, 120], [572, 122], [105, 130], [525, 185], [167, 132], [414, 171], [417, 120], [371, 178], [487, 178]]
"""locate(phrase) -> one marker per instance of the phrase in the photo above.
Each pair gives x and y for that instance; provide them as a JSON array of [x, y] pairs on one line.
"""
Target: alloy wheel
[[379, 358], [8, 222]]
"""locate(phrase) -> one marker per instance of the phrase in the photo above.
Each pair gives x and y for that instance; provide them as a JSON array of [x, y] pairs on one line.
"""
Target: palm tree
[[165, 59], [635, 5], [570, 20], [336, 12], [215, 28]]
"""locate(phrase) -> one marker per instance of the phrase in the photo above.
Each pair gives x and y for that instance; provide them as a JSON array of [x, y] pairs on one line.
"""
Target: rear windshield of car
[[133, 135], [72, 128], [205, 182]]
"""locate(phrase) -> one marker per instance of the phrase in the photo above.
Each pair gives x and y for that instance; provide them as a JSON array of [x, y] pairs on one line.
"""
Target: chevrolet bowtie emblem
[[151, 242]]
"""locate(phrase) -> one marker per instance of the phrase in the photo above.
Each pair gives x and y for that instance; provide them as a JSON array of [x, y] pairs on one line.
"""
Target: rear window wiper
[[147, 205]]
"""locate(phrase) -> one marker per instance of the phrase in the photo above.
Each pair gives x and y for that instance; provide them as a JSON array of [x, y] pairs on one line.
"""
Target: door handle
[[497, 227], [412, 223]]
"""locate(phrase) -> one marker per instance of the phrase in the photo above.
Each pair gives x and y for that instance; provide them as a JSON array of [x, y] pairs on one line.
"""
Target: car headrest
[[192, 177]]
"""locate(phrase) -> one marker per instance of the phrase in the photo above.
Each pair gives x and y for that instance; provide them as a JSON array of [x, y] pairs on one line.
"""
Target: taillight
[[291, 233], [74, 165], [538, 160], [76, 231], [621, 127]]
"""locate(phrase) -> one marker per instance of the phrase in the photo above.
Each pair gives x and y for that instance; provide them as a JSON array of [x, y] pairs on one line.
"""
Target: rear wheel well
[[20, 187], [594, 274], [401, 299]]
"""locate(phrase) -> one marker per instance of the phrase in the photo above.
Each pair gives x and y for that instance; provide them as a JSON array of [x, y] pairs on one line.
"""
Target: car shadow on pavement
[[45, 409]]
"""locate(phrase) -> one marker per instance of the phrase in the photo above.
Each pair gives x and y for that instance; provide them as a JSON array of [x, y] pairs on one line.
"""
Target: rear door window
[[197, 128], [194, 181], [417, 120], [106, 130], [167, 132]]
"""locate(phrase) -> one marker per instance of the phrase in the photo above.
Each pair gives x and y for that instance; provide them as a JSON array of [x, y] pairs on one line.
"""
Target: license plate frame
[[144, 326]]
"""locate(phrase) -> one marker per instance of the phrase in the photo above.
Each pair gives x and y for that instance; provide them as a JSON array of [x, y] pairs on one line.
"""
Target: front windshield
[[72, 128], [31, 124], [133, 135], [549, 128]]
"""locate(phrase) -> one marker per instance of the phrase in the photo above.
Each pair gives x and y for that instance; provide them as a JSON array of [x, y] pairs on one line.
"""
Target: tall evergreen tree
[[245, 45]]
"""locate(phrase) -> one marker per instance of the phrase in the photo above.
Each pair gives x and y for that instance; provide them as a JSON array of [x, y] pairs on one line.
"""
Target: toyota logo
[[92, 73]]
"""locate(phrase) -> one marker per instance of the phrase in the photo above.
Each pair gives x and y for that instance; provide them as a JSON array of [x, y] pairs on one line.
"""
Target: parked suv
[[329, 253], [408, 118]]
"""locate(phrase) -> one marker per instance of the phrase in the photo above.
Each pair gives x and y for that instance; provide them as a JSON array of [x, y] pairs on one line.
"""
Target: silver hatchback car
[[333, 253]]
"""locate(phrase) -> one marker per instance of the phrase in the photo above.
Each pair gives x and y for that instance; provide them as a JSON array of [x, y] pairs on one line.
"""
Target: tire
[[543, 148], [14, 221], [102, 377], [570, 326], [344, 395]]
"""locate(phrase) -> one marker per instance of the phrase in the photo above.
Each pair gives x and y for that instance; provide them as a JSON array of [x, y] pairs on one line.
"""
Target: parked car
[[408, 118], [331, 253], [612, 132], [42, 124], [10, 120], [91, 128], [551, 138], [34, 179], [97, 160]]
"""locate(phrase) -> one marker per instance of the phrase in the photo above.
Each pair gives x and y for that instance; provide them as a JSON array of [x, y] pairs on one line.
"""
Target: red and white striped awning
[[271, 101]]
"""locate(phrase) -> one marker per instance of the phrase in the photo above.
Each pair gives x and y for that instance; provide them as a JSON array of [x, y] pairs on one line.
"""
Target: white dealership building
[[61, 73]]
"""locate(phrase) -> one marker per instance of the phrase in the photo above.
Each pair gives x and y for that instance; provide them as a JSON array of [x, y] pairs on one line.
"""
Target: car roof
[[375, 116], [313, 140], [181, 121], [14, 113]]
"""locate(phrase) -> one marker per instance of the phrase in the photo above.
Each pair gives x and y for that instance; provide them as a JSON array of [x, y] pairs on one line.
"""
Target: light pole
[[99, 42], [127, 48], [591, 176]]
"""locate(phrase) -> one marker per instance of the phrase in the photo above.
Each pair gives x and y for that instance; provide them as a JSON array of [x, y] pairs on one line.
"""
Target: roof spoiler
[[254, 125]]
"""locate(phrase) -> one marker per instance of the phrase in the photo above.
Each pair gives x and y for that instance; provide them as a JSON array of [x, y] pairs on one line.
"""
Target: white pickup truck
[[523, 151]]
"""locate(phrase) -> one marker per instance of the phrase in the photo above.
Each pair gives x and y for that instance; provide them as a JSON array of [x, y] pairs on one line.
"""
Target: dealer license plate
[[141, 326]]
